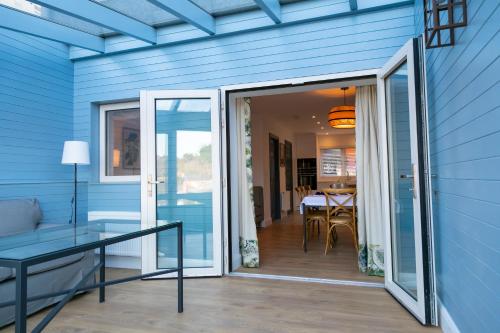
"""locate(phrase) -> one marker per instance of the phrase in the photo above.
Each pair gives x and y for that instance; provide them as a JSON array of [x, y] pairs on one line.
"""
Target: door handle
[[412, 177], [156, 181], [150, 184]]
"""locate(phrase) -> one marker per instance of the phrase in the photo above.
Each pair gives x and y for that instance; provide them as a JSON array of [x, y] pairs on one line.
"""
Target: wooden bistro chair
[[313, 216], [340, 214], [300, 194]]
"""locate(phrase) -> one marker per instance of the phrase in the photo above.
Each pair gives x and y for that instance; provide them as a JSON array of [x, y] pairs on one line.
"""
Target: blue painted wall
[[36, 102], [322, 47], [464, 115]]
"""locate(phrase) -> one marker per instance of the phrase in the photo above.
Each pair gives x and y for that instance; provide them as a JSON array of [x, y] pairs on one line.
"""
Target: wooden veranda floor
[[233, 304]]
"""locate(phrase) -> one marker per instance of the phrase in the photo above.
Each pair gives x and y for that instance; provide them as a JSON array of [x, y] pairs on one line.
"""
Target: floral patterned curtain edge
[[249, 247], [369, 200]]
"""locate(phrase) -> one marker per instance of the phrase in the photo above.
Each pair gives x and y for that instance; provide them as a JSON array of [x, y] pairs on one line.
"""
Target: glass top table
[[43, 241], [44, 244]]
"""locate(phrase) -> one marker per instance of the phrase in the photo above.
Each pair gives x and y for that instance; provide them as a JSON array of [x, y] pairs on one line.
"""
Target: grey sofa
[[24, 215]]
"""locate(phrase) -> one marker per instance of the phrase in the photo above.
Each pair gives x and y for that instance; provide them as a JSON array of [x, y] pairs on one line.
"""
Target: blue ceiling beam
[[188, 12], [272, 8], [35, 26], [353, 4], [94, 13]]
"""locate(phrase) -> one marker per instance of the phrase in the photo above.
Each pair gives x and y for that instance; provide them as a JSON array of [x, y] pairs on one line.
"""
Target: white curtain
[[369, 197], [249, 247]]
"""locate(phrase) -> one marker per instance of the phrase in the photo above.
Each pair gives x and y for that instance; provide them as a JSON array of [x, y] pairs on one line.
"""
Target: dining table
[[319, 201]]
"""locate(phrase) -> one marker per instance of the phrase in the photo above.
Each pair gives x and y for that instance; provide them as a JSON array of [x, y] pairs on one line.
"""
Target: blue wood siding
[[36, 102], [322, 47], [464, 118]]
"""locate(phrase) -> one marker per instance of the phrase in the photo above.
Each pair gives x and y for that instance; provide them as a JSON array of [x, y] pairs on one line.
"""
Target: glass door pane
[[401, 180], [185, 181], [409, 266]]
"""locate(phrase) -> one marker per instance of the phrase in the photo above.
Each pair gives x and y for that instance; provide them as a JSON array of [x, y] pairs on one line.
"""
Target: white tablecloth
[[320, 201]]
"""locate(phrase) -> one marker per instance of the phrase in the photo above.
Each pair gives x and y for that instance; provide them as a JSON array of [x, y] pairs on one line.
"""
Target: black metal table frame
[[21, 267]]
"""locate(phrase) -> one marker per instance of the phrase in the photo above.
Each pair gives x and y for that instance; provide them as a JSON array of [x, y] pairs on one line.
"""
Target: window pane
[[184, 169], [331, 162], [123, 143], [401, 188], [338, 162]]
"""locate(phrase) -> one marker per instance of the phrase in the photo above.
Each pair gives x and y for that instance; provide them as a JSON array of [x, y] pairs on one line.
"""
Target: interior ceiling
[[296, 110]]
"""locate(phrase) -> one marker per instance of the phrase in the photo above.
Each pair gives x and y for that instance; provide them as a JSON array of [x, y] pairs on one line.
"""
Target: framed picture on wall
[[131, 148], [282, 155]]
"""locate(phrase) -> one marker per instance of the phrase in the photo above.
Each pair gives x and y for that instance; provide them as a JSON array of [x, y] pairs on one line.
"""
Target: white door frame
[[417, 307], [148, 165], [227, 102], [259, 87]]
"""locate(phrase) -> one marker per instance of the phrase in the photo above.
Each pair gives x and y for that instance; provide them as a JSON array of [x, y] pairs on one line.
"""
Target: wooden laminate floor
[[232, 304], [281, 253]]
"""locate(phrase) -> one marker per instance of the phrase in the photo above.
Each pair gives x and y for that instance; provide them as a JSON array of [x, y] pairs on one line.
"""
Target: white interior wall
[[262, 126]]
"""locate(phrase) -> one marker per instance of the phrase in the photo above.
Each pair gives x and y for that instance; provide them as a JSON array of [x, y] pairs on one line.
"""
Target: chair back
[[307, 189], [340, 204], [300, 192]]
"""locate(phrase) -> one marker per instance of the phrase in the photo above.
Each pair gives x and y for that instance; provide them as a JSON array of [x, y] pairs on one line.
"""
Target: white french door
[[408, 245], [180, 141]]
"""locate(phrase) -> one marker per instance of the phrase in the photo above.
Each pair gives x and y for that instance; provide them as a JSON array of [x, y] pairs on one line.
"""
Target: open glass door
[[408, 274], [181, 137]]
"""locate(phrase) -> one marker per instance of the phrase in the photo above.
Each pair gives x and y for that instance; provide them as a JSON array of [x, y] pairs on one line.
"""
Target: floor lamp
[[75, 152]]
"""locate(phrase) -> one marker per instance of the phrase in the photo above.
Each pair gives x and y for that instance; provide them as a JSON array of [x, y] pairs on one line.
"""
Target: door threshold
[[310, 280]]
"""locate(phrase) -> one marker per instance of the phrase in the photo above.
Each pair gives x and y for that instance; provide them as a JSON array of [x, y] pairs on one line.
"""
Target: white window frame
[[102, 143]]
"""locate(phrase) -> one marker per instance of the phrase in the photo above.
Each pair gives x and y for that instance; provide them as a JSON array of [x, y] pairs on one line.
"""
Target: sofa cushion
[[19, 215], [5, 273], [53, 264]]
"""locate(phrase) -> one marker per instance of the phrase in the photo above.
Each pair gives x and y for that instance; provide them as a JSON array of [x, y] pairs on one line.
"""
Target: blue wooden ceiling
[[88, 23]]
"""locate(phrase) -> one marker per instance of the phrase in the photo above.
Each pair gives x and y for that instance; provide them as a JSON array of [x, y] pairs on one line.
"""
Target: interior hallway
[[281, 253]]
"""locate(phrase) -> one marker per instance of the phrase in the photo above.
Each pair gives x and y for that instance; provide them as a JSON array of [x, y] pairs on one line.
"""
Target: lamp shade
[[75, 152], [342, 117]]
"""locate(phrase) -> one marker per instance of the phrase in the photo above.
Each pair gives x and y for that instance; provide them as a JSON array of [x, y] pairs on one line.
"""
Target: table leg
[[304, 222], [21, 297], [102, 274], [180, 272]]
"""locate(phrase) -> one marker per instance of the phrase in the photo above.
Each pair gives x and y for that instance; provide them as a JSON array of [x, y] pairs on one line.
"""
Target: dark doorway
[[289, 172], [274, 176]]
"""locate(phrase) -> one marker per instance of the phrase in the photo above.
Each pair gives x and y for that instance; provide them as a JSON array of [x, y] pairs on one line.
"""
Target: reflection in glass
[[401, 185], [194, 156], [184, 170], [123, 146]]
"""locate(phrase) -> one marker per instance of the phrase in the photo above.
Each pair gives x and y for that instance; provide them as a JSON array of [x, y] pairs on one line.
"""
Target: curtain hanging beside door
[[249, 247], [369, 199]]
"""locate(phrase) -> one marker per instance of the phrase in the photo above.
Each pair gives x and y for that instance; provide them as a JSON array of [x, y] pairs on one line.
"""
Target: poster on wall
[[131, 148]]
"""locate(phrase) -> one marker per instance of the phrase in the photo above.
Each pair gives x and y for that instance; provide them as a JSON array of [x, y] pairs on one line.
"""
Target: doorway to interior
[[396, 91], [292, 146]]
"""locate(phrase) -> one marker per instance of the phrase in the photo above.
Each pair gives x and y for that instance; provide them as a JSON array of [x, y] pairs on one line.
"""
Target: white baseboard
[[446, 321]]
